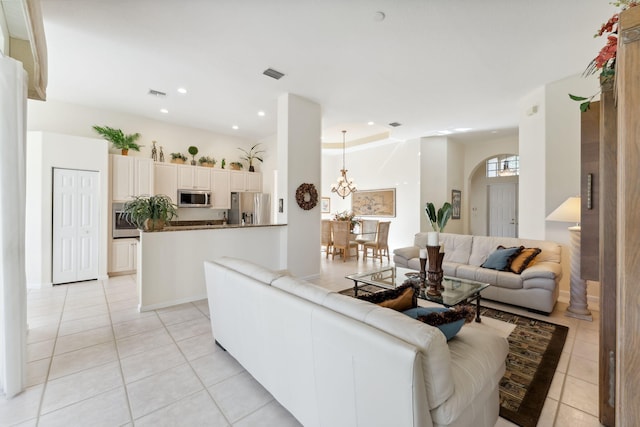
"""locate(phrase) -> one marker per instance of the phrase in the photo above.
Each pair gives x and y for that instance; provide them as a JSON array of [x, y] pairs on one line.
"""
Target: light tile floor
[[94, 360]]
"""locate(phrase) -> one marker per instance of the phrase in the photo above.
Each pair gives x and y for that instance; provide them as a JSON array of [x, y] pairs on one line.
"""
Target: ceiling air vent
[[395, 124], [156, 93], [273, 73]]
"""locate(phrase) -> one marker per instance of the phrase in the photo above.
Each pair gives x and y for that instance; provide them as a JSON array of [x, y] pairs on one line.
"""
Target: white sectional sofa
[[333, 360], [536, 288]]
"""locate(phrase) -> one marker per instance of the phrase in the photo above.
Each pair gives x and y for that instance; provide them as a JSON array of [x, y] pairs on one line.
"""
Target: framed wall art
[[325, 205], [456, 202], [374, 202]]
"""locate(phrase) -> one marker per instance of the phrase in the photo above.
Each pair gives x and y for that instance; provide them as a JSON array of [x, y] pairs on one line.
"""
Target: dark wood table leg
[[478, 308]]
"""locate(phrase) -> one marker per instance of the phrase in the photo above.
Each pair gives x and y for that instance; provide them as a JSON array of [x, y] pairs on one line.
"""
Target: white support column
[[13, 299], [578, 296]]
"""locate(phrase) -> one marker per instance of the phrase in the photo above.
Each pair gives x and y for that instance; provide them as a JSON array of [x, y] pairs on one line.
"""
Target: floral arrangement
[[606, 59], [346, 216], [207, 159]]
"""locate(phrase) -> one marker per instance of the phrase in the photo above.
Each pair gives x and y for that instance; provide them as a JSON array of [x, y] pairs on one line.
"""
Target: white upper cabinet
[[245, 181], [194, 177], [166, 180], [253, 181], [220, 189], [130, 176]]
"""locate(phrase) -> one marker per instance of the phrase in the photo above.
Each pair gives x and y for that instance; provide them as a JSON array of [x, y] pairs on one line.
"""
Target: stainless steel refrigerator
[[254, 208]]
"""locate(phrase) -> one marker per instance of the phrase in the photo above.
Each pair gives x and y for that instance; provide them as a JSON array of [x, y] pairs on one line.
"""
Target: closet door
[[75, 225]]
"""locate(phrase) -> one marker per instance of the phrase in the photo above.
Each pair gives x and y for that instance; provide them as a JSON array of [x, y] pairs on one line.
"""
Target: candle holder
[[435, 274]]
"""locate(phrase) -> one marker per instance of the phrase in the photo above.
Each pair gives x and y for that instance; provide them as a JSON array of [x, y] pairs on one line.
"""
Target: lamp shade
[[568, 211]]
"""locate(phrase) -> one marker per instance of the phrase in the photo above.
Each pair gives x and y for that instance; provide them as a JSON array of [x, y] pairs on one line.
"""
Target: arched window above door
[[503, 165]]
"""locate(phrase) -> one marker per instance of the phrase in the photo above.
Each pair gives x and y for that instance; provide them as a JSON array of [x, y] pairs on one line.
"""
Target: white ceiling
[[431, 65]]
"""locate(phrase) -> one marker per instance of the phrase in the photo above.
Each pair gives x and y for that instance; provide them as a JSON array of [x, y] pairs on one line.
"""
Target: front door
[[503, 215], [75, 225]]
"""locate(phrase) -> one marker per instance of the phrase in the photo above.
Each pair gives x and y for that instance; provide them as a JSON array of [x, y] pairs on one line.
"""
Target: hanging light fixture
[[344, 186]]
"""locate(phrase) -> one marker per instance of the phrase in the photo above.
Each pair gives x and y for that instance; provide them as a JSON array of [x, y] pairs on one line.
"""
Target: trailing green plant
[[175, 156], [118, 138], [438, 220], [150, 212], [207, 159], [252, 154]]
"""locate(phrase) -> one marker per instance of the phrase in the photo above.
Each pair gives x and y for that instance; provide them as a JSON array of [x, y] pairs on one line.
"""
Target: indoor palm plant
[[150, 213], [438, 220], [252, 154], [119, 140]]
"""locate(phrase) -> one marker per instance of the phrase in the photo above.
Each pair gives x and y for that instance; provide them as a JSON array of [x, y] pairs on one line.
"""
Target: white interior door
[[503, 214], [75, 225]]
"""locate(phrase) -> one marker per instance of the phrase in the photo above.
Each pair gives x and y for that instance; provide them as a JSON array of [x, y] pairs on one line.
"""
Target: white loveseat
[[333, 360], [536, 288]]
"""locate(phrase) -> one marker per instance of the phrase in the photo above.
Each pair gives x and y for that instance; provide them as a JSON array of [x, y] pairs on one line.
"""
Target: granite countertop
[[209, 225]]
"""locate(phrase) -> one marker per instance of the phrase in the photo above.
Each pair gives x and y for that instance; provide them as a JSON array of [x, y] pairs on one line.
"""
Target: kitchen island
[[171, 262]]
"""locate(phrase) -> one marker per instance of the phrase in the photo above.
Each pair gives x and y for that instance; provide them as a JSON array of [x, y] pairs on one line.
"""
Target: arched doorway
[[493, 196]]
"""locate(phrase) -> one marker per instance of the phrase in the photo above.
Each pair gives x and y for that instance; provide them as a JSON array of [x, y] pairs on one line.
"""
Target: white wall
[[550, 161], [46, 151], [456, 181], [4, 34], [77, 120], [393, 165], [299, 162]]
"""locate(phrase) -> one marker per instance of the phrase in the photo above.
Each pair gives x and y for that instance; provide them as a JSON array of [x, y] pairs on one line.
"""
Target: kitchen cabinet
[[194, 177], [220, 189], [245, 181], [130, 176], [166, 180], [124, 255]]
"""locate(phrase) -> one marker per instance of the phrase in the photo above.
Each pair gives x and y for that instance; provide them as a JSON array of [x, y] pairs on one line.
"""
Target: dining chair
[[379, 246], [368, 230], [342, 239], [325, 238]]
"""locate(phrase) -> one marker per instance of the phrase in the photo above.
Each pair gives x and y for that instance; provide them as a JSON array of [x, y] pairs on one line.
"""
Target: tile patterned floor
[[94, 360]]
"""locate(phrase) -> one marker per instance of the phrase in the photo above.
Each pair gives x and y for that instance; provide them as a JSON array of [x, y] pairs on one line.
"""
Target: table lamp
[[569, 211]]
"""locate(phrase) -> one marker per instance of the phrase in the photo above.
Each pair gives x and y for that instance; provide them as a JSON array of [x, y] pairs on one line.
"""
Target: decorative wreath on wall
[[307, 196]]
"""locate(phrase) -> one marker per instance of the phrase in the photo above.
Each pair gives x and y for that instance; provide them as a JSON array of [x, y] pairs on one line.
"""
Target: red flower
[[608, 52], [608, 27]]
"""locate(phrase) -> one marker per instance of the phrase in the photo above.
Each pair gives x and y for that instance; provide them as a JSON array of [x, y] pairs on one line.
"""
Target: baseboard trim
[[142, 308], [593, 302]]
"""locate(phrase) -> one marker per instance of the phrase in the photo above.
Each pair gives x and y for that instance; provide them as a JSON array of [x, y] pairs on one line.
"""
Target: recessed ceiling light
[[370, 123], [235, 127], [462, 129], [182, 90], [261, 113], [164, 111], [444, 132]]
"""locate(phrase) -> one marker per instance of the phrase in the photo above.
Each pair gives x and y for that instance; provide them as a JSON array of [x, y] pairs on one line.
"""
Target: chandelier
[[344, 186]]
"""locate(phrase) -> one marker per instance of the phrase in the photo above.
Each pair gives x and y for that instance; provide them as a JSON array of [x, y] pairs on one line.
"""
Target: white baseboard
[[150, 307], [593, 302]]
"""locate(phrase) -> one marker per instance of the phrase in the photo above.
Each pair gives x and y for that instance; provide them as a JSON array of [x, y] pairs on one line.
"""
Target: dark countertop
[[209, 225]]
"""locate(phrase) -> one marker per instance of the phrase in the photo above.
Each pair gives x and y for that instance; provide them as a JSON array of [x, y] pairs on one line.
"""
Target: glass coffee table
[[456, 291]]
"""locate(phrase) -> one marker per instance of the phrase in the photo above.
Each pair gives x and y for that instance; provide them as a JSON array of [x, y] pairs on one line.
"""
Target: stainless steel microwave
[[194, 199]]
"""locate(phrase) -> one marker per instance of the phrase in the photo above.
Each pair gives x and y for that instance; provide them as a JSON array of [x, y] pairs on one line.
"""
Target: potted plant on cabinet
[[253, 154], [207, 161], [178, 158], [193, 150], [150, 213], [119, 140], [236, 166]]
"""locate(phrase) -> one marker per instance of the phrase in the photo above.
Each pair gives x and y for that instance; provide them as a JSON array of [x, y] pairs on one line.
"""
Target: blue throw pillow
[[448, 329], [501, 258]]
